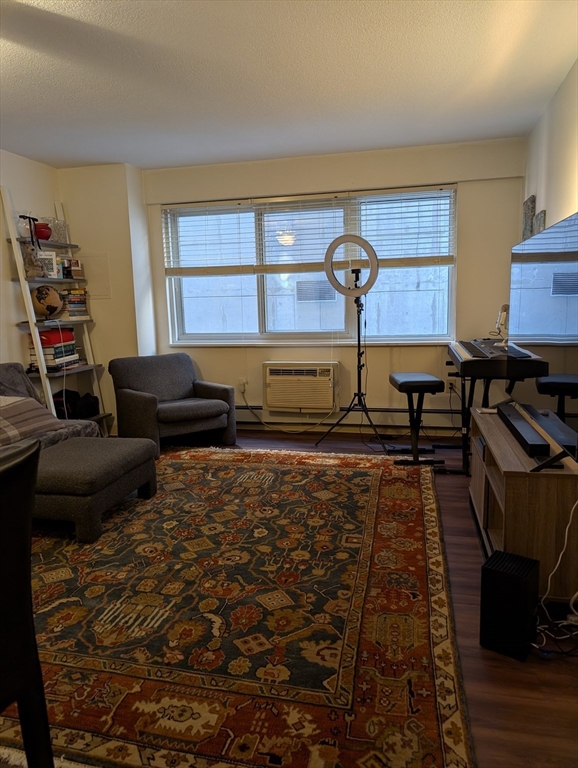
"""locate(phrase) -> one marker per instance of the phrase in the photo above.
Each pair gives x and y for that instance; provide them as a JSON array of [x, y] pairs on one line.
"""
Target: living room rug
[[263, 609]]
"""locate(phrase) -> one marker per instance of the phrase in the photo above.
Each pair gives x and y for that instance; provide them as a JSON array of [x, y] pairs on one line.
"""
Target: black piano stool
[[419, 384], [560, 385]]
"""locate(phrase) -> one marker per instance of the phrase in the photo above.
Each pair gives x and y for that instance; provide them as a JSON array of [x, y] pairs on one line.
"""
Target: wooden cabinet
[[523, 512]]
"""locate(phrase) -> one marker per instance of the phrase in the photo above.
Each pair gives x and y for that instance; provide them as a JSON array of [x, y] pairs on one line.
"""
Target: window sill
[[314, 343]]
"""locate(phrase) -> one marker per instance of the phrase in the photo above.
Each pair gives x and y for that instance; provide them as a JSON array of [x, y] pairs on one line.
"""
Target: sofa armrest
[[227, 394], [136, 413]]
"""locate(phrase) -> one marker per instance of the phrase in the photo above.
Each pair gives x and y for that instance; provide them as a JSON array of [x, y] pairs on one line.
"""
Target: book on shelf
[[55, 361], [60, 367], [50, 358], [74, 305], [71, 316], [74, 364], [56, 350]]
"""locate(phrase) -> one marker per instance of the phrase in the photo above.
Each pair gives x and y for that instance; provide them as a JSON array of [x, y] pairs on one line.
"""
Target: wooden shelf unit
[[523, 512]]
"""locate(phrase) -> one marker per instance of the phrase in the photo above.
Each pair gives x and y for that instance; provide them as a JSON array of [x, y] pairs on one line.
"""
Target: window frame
[[352, 218]]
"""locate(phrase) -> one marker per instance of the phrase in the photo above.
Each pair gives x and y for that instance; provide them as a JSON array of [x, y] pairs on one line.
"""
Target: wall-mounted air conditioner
[[301, 387]]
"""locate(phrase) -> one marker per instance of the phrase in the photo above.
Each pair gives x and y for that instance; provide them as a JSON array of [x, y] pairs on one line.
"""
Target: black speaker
[[509, 603]]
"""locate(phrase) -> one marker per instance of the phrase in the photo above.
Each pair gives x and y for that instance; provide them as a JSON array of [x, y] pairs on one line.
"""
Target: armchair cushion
[[191, 409]]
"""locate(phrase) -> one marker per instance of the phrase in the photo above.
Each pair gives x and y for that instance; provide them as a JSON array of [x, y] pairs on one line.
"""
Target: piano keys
[[499, 364]]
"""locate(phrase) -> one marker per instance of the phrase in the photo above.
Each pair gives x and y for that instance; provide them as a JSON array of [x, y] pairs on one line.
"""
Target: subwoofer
[[509, 602]]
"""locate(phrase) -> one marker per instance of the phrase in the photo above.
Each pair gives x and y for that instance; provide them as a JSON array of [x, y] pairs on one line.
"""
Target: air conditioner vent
[[302, 387], [314, 290], [565, 284], [293, 372]]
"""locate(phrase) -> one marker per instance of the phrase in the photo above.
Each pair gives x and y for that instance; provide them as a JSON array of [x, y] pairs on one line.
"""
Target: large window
[[254, 270]]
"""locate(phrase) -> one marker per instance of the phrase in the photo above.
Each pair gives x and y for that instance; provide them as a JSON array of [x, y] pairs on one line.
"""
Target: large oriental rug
[[264, 609]]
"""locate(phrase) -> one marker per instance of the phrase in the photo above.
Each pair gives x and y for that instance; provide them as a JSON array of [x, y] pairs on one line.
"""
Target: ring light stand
[[358, 400]]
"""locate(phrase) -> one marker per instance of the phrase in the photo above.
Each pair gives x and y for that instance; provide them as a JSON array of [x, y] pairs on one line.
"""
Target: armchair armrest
[[137, 414], [227, 394], [213, 391]]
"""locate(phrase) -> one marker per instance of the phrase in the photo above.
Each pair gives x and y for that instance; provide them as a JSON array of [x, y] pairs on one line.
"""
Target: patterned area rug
[[263, 609]]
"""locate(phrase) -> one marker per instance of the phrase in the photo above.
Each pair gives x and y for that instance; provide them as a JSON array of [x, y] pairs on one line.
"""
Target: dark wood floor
[[522, 714]]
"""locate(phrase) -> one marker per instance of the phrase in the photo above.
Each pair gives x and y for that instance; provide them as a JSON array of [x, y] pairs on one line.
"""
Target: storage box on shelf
[[74, 315]]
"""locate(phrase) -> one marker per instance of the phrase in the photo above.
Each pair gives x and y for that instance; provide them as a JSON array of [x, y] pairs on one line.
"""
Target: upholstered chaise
[[80, 473], [159, 396], [15, 383]]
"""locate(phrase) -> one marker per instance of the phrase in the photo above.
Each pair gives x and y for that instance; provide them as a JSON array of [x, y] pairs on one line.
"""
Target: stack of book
[[70, 269], [76, 269], [58, 349], [74, 305]]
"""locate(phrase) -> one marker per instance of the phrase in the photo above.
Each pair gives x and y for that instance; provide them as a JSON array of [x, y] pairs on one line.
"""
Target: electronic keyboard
[[482, 359]]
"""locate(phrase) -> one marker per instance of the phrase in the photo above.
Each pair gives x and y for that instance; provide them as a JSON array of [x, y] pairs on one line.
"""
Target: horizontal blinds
[[269, 237]]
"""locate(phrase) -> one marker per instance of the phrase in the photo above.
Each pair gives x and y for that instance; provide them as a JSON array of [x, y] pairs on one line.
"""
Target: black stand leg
[[467, 404], [561, 409], [358, 400], [486, 394], [415, 412]]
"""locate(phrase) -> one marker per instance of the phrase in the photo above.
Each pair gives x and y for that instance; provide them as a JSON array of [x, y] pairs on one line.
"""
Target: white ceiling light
[[285, 236]]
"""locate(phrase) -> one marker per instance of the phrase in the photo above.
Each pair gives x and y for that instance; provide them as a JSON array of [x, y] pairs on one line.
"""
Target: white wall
[[552, 164], [489, 193], [142, 273], [552, 175], [96, 204], [414, 166]]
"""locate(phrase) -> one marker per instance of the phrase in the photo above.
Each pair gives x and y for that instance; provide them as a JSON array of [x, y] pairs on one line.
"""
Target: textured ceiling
[[163, 83]]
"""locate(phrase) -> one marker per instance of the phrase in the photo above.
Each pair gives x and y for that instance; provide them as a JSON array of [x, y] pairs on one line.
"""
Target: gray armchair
[[159, 396]]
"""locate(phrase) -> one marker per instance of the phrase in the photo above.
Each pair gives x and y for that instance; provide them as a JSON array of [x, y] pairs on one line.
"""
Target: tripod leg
[[338, 422], [364, 409]]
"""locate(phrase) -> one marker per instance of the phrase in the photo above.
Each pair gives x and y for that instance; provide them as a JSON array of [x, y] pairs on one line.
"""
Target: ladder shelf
[[33, 325]]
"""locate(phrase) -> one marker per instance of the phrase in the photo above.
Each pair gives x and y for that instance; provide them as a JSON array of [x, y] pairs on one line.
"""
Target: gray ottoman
[[79, 479]]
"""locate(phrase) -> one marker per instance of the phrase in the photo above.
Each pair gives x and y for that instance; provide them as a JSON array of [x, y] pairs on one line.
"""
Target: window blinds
[[406, 228]]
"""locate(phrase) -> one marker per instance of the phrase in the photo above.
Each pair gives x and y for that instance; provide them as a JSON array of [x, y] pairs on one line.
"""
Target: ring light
[[373, 265]]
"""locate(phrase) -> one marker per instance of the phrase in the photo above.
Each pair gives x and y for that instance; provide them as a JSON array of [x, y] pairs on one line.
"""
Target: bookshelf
[[32, 325]]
